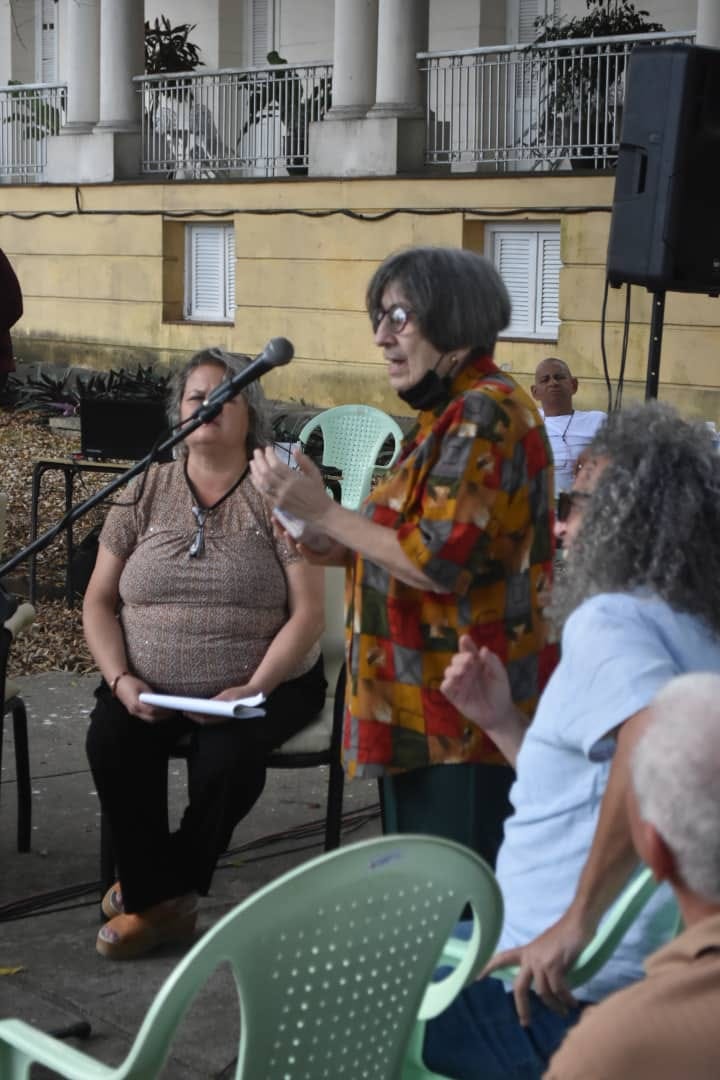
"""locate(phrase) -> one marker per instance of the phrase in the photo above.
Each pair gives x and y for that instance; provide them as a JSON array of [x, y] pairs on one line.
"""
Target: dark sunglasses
[[566, 500], [397, 317]]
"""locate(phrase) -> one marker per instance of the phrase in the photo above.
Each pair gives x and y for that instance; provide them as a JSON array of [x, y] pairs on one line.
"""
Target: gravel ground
[[55, 640]]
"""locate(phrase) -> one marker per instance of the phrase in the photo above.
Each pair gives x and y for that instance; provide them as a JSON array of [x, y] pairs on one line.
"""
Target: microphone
[[277, 352]]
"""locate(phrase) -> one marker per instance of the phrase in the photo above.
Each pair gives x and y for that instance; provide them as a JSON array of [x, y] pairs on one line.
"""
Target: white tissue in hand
[[301, 531]]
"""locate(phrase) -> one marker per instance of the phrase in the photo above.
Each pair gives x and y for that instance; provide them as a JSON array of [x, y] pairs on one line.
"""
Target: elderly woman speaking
[[456, 539]]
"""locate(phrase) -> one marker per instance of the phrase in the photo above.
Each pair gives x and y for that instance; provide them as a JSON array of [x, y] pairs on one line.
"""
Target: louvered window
[[46, 12], [260, 32], [528, 259], [210, 273]]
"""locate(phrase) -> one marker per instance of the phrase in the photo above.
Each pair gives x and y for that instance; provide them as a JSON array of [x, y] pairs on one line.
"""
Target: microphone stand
[[202, 415]]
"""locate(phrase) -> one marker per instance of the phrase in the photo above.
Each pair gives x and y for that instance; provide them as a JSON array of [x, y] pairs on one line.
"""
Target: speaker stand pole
[[656, 332]]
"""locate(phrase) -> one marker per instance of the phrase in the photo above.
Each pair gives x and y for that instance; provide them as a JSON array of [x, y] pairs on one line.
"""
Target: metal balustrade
[[552, 105], [239, 121], [29, 113]]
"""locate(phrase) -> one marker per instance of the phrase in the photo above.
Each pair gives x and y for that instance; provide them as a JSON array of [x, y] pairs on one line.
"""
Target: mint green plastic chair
[[595, 954], [353, 436], [332, 963]]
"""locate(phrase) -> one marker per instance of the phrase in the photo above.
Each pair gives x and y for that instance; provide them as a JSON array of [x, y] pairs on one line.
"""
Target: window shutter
[[210, 273], [260, 35], [548, 293], [48, 41], [229, 261], [513, 255]]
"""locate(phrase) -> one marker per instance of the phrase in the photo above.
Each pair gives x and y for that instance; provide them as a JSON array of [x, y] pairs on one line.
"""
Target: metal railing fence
[[549, 105], [241, 121], [29, 113]]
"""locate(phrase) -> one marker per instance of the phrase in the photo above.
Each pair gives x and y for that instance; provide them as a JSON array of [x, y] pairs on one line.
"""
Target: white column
[[708, 23], [402, 32], [80, 63], [122, 28], [354, 58]]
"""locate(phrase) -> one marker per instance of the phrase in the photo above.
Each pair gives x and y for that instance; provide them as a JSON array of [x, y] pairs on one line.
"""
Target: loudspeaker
[[665, 228]]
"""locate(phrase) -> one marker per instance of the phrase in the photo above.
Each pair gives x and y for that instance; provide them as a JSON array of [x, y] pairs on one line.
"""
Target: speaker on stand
[[665, 225]]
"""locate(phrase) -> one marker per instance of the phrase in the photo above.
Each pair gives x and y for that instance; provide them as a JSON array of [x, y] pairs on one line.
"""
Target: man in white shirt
[[569, 430]]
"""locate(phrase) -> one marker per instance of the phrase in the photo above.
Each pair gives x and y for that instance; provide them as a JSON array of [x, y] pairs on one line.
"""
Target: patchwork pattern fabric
[[471, 502]]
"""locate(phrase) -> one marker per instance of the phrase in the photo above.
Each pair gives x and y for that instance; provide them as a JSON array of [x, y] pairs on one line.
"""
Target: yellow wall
[[101, 285]]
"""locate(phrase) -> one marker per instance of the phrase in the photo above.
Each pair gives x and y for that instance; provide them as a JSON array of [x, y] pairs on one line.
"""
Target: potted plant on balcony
[[581, 95], [284, 94]]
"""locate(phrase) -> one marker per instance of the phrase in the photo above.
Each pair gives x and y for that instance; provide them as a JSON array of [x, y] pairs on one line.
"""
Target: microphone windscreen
[[279, 351]]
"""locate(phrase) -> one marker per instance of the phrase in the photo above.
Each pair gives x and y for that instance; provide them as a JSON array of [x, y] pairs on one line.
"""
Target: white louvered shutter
[[260, 32], [210, 273], [47, 56], [229, 267], [514, 256], [548, 284]]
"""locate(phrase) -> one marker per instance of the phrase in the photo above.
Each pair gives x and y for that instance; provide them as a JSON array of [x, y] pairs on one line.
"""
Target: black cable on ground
[[59, 900]]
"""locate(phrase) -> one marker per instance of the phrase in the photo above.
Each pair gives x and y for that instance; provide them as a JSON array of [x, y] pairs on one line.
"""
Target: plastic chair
[[332, 963], [595, 954], [353, 436], [317, 744], [11, 703]]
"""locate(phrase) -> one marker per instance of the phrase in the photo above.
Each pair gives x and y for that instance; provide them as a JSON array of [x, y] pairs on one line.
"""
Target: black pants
[[465, 803], [226, 775]]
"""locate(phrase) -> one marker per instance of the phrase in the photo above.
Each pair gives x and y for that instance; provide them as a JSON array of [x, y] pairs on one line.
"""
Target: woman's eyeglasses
[[567, 500], [397, 318], [198, 545]]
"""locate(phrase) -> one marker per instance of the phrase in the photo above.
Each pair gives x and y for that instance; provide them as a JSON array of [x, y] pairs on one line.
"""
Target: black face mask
[[430, 391]]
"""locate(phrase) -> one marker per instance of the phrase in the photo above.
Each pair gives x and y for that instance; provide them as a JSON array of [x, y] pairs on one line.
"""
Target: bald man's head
[[554, 387]]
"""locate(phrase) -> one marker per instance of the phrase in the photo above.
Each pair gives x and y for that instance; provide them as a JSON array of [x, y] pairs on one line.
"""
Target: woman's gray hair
[[259, 430], [654, 517], [675, 768], [458, 298]]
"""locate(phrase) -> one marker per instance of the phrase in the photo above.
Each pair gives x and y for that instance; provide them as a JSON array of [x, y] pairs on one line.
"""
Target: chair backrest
[[353, 436], [333, 961]]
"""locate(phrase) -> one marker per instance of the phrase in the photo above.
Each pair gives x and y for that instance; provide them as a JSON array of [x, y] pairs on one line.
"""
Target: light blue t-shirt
[[618, 650]]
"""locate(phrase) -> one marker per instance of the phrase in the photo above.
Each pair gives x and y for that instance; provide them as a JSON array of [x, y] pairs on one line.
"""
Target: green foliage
[[605, 18], [282, 93], [588, 86], [33, 113], [167, 47], [63, 395]]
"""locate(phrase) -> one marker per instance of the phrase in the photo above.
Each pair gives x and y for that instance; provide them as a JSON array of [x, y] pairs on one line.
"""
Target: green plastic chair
[[595, 954], [332, 963], [353, 436]]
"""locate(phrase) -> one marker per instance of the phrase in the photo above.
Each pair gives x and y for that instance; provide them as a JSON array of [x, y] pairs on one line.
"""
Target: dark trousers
[[226, 775], [479, 1036], [465, 803]]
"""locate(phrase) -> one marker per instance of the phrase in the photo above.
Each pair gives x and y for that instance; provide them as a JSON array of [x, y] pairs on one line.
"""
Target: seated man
[[569, 430], [637, 606], [665, 1026]]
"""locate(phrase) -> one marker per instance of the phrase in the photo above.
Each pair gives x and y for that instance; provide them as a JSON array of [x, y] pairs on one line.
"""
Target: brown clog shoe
[[128, 936]]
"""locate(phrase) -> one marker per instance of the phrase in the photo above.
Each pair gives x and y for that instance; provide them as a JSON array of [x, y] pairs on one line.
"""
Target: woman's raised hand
[[300, 491], [476, 683]]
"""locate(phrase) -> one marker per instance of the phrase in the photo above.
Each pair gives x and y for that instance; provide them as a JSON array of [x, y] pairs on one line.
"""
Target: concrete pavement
[[54, 889]]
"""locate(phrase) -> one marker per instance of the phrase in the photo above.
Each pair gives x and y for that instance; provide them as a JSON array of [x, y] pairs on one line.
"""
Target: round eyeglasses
[[397, 316]]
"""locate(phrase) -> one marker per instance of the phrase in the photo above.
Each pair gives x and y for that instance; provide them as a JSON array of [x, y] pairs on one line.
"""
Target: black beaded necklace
[[202, 513]]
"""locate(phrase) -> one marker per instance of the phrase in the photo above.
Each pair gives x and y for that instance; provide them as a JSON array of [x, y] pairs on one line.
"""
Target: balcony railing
[[28, 114], [240, 121], [556, 104]]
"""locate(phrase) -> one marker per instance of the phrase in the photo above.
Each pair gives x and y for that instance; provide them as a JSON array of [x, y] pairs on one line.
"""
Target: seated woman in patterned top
[[456, 539], [193, 593]]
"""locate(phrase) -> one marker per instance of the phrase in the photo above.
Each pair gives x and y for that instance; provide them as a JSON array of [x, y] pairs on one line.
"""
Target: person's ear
[[574, 384], [533, 391], [656, 853]]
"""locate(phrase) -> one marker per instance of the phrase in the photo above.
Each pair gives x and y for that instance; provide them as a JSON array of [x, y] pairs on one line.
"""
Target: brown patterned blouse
[[198, 625]]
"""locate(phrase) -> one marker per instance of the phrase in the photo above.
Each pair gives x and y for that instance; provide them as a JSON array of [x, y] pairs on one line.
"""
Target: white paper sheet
[[240, 707]]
